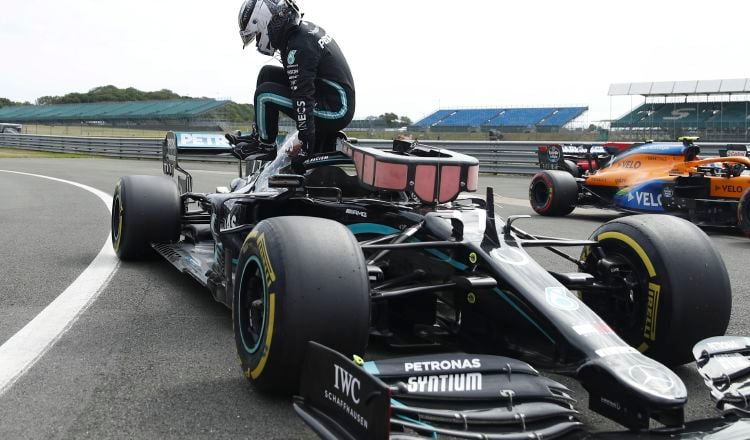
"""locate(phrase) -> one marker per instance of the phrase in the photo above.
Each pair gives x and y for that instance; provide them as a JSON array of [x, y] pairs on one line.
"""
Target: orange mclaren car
[[668, 178]]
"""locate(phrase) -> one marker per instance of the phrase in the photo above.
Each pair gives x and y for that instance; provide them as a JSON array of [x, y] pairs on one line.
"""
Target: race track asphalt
[[154, 356]]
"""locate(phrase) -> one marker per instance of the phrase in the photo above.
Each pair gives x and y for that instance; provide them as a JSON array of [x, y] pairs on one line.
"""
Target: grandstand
[[197, 114], [715, 110], [547, 119]]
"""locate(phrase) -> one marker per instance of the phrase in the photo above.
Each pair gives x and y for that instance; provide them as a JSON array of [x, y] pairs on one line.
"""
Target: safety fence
[[494, 157]]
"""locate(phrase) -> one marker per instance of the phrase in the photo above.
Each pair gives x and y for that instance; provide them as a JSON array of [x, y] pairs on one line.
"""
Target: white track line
[[524, 203], [19, 353]]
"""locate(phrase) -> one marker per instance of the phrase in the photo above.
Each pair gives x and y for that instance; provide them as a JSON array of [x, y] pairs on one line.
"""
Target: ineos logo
[[554, 154], [651, 377], [346, 383]]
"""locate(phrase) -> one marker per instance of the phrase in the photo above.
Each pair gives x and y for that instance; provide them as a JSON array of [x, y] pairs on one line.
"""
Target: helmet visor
[[247, 37]]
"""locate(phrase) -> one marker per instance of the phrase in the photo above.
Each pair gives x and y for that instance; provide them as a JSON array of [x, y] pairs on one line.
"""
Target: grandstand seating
[[470, 118], [521, 117], [502, 117], [692, 114], [179, 108], [435, 118], [563, 116]]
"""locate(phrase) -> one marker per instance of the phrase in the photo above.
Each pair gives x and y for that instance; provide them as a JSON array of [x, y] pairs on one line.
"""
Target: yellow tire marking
[[269, 335], [636, 247]]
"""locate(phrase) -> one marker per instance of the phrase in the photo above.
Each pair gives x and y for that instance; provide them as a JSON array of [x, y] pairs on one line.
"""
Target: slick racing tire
[[298, 279], [743, 214], [145, 209], [571, 167], [553, 193], [674, 288]]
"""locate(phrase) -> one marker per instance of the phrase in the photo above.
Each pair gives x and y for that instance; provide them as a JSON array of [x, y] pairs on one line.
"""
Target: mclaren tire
[[553, 193]]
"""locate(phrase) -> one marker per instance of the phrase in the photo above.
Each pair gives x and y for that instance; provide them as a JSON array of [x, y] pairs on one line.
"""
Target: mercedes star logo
[[652, 378]]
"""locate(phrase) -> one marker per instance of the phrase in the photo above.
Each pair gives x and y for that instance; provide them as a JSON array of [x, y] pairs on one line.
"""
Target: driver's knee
[[272, 74]]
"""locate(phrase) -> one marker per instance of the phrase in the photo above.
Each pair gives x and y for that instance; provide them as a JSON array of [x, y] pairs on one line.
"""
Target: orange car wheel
[[743, 213], [553, 193]]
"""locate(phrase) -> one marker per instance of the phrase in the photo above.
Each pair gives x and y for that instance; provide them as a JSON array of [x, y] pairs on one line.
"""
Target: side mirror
[[286, 181]]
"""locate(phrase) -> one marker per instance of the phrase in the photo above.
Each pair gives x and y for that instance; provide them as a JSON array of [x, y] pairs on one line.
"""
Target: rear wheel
[[743, 214], [571, 167], [673, 286], [145, 209], [298, 279], [553, 193]]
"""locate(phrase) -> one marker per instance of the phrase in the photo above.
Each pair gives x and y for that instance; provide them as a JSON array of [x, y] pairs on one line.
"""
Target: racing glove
[[299, 157], [243, 150]]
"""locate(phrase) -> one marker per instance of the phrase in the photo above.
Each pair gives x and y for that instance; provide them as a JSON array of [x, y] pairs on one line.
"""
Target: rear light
[[543, 149], [424, 182], [434, 175], [391, 175]]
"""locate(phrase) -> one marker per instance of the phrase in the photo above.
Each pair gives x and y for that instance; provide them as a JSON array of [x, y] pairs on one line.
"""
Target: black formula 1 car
[[664, 177], [368, 243]]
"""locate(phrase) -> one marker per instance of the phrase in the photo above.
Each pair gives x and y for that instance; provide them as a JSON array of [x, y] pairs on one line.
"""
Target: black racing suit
[[315, 88]]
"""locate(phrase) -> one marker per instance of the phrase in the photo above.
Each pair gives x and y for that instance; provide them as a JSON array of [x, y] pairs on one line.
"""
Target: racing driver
[[314, 87]]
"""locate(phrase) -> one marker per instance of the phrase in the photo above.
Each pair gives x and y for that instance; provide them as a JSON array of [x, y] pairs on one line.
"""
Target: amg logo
[[729, 189], [652, 310], [445, 383], [453, 364], [362, 214], [346, 383]]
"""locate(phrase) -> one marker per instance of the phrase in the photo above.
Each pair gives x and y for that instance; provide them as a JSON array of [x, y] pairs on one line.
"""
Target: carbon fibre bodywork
[[445, 273]]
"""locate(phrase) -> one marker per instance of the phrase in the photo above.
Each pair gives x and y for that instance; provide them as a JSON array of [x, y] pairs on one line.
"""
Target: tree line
[[233, 112]]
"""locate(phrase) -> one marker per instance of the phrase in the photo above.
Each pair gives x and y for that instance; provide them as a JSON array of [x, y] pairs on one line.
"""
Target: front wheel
[[672, 288], [298, 279]]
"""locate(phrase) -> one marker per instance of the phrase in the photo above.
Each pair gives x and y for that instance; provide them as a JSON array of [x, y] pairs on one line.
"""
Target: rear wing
[[551, 156], [177, 143], [733, 150]]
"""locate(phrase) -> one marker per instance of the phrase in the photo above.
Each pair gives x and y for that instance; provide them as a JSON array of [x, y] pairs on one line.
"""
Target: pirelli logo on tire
[[652, 311], [260, 242]]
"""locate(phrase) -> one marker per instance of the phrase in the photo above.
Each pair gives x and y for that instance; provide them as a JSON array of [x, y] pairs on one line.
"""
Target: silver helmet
[[266, 22]]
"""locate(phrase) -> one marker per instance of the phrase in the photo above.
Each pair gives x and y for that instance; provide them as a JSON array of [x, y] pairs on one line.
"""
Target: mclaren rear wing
[[735, 150]]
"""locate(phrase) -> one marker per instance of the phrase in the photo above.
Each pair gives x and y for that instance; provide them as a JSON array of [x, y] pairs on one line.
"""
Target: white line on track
[[19, 353], [502, 200], [226, 173]]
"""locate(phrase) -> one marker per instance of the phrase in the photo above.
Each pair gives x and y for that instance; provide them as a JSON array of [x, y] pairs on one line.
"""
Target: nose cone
[[632, 389], [640, 376]]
